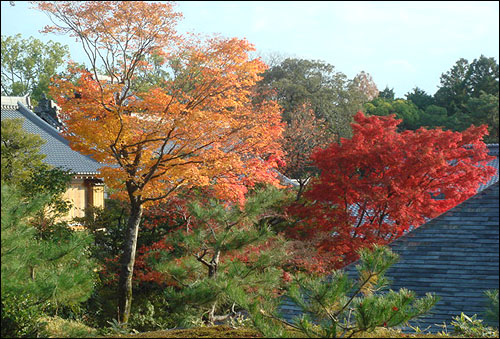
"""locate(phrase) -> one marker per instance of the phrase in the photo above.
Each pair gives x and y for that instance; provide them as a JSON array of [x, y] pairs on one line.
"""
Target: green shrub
[[117, 328], [492, 308], [56, 327], [20, 316], [100, 307], [472, 327], [150, 312]]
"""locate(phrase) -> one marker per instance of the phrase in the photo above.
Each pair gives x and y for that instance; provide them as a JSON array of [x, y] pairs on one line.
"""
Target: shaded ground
[[228, 332], [202, 332]]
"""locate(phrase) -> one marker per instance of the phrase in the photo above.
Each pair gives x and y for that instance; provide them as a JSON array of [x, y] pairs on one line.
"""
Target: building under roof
[[85, 189], [56, 148]]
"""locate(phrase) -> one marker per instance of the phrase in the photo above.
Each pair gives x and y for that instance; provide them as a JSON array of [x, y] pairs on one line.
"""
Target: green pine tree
[[24, 169], [337, 306], [227, 250], [20, 152], [38, 274]]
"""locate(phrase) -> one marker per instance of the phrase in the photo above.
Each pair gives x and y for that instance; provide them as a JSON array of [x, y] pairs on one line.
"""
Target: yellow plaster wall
[[81, 194], [98, 196], [76, 194]]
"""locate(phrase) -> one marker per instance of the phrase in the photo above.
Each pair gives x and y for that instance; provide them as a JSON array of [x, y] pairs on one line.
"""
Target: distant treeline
[[468, 94]]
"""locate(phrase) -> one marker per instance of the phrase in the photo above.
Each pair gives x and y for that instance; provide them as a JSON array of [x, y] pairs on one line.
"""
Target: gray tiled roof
[[454, 256], [57, 149], [492, 150]]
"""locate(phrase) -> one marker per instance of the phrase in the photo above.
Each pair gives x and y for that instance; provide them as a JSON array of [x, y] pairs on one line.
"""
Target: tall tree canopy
[[331, 95], [303, 134], [420, 98], [403, 109], [483, 109], [387, 93], [366, 85], [28, 65], [468, 95], [465, 81], [199, 126], [379, 183]]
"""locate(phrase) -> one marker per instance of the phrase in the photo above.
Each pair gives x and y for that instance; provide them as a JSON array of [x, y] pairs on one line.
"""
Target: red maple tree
[[376, 185]]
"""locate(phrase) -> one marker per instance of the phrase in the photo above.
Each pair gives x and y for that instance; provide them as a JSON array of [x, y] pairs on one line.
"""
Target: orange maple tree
[[196, 125], [376, 185]]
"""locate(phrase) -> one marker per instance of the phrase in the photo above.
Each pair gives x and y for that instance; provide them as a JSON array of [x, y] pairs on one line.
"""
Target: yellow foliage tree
[[197, 124]]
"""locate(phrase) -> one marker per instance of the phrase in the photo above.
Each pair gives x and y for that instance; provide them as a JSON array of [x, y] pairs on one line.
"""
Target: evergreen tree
[[483, 76], [452, 94], [339, 306], [420, 98], [20, 151], [23, 168], [465, 81], [387, 93], [483, 109], [38, 272], [222, 248]]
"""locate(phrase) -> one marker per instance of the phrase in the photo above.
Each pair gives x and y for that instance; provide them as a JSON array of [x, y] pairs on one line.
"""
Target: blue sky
[[401, 44]]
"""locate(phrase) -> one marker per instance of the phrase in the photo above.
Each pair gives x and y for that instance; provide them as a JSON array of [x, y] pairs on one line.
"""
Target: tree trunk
[[214, 264], [127, 263]]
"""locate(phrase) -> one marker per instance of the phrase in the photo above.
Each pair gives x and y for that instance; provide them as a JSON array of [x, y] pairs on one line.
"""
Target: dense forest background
[[467, 94]]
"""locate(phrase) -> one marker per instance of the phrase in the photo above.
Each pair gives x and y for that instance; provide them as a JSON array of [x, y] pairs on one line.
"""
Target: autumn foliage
[[167, 137], [302, 135], [162, 111], [376, 185], [197, 127]]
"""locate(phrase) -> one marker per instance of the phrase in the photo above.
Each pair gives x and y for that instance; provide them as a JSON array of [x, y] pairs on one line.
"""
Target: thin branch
[[372, 274], [164, 195]]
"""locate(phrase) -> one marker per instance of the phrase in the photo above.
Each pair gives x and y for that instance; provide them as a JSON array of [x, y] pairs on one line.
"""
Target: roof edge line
[[41, 123]]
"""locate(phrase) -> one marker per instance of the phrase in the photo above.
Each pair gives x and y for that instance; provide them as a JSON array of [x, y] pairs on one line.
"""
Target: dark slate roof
[[492, 150], [57, 149], [454, 256]]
